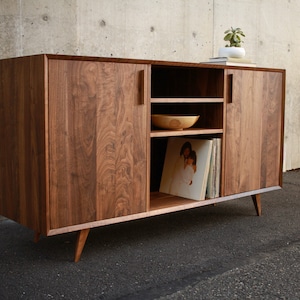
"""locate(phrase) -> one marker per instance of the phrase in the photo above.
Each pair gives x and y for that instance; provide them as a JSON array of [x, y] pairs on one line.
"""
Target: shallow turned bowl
[[174, 122]]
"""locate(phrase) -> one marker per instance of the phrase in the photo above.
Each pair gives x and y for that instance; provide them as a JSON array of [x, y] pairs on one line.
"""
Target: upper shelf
[[187, 100]]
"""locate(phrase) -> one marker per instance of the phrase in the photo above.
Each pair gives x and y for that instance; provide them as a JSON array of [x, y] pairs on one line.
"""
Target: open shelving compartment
[[183, 90]]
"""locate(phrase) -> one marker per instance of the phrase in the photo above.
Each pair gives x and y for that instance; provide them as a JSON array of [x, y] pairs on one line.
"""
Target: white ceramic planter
[[237, 52]]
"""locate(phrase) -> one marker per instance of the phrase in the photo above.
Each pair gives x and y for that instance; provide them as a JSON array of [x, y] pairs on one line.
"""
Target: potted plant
[[235, 38]]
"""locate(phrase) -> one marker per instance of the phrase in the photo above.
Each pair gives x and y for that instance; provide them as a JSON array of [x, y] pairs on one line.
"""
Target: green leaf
[[228, 37]]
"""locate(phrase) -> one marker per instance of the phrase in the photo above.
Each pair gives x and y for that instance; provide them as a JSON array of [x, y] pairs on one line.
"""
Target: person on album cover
[[184, 170]]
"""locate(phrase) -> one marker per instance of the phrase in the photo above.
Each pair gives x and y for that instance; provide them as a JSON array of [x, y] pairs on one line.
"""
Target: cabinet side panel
[[22, 132]]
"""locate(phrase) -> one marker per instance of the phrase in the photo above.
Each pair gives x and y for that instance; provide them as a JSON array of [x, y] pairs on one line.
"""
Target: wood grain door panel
[[253, 135], [98, 141]]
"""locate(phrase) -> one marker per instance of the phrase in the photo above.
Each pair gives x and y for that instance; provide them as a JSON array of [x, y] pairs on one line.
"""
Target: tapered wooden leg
[[257, 204], [36, 236], [81, 239]]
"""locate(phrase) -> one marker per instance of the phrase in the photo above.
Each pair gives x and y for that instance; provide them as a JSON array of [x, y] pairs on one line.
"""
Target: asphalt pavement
[[213, 252]]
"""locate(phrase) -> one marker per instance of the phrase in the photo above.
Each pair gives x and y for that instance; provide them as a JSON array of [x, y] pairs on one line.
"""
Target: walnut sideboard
[[78, 150]]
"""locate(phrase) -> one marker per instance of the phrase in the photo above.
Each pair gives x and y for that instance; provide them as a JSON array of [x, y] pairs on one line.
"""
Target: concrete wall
[[178, 30]]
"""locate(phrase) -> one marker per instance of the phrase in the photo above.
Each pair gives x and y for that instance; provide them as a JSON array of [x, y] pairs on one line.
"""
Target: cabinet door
[[253, 131], [98, 141]]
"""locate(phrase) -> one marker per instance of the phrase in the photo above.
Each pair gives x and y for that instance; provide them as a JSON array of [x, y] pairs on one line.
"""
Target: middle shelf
[[184, 132]]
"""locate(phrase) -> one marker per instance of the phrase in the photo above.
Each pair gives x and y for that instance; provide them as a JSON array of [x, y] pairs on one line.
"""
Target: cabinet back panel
[[186, 82], [158, 152]]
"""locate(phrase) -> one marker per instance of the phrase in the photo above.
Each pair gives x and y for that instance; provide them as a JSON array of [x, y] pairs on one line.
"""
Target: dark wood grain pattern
[[22, 134], [253, 133], [98, 141]]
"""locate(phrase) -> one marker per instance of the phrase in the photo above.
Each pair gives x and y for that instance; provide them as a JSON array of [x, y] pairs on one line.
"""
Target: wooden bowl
[[174, 122]]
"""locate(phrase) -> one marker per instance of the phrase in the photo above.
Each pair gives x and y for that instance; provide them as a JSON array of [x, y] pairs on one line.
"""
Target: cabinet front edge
[[157, 212]]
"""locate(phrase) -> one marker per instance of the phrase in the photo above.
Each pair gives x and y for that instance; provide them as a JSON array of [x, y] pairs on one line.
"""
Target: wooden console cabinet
[[78, 150]]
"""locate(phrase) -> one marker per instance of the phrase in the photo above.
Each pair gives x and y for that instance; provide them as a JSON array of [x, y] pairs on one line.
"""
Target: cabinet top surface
[[144, 61]]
